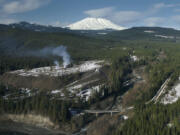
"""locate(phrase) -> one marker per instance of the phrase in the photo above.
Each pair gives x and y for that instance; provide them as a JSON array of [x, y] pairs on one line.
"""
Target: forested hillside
[[135, 63]]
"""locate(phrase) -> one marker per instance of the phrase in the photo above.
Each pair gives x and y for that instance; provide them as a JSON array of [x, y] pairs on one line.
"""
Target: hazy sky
[[126, 13]]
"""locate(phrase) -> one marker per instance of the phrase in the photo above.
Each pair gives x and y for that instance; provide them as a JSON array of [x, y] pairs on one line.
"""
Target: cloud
[[101, 12], [111, 13], [163, 5], [160, 6], [1, 1], [10, 7], [154, 21], [7, 20], [147, 16], [59, 24], [124, 17], [176, 18], [131, 17], [20, 6], [177, 10], [176, 21]]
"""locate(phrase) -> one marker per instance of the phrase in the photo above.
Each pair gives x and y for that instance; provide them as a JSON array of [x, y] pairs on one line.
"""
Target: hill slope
[[139, 33]]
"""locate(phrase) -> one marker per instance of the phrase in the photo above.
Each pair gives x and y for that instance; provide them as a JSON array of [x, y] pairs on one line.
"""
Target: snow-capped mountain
[[94, 24]]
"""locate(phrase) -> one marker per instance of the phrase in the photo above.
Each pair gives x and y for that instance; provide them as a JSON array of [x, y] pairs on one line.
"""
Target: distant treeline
[[10, 63]]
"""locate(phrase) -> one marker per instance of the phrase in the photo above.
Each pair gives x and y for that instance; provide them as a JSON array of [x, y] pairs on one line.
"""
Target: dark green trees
[[119, 70]]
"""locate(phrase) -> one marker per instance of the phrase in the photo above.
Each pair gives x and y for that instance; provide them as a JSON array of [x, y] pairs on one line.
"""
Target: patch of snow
[[134, 58], [55, 91], [130, 108], [163, 36], [127, 83], [170, 125], [26, 91], [172, 96], [60, 71], [125, 117], [74, 90], [102, 33], [149, 31], [76, 87], [87, 93]]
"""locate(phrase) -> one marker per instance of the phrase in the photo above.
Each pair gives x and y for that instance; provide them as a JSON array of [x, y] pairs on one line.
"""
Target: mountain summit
[[94, 24]]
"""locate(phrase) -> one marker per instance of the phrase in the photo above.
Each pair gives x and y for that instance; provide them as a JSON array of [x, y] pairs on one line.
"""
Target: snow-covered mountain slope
[[94, 24]]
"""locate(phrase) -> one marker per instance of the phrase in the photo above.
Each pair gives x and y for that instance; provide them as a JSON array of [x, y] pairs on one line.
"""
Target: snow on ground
[[55, 91], [22, 93], [87, 93], [73, 88], [163, 36], [76, 90], [149, 31], [26, 91], [172, 96], [79, 91], [60, 71], [134, 58], [125, 117], [80, 86], [102, 33], [170, 125]]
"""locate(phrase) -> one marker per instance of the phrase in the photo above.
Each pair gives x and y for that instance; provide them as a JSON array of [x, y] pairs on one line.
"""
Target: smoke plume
[[60, 51], [56, 63]]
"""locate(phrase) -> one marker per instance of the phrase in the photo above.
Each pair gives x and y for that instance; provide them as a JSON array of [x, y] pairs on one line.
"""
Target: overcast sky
[[127, 13]]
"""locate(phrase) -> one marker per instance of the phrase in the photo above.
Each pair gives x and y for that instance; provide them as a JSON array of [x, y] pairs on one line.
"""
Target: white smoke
[[56, 63], [60, 51]]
